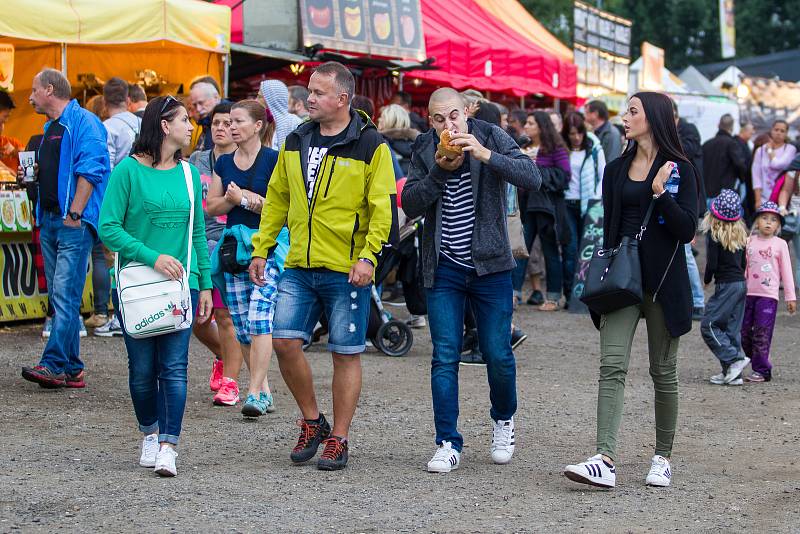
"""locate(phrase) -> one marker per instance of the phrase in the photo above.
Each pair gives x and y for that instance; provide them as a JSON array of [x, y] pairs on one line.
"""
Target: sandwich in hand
[[446, 147]]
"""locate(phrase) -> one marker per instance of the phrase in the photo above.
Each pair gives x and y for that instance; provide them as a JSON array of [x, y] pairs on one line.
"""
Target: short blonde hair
[[394, 116]]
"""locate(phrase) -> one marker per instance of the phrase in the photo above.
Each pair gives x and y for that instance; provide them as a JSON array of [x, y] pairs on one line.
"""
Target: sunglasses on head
[[167, 100]]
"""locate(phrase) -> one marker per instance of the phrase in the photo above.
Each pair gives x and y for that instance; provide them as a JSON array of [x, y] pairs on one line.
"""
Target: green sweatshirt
[[145, 214]]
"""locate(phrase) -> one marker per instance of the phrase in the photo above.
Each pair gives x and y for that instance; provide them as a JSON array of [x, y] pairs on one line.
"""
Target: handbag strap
[[646, 220], [187, 175]]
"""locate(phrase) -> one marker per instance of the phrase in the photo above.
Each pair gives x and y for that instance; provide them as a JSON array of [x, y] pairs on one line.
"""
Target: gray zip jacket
[[422, 195]]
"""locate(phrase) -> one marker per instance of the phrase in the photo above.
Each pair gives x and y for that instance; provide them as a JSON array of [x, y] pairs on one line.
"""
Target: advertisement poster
[[7, 66], [727, 28], [391, 28], [20, 295]]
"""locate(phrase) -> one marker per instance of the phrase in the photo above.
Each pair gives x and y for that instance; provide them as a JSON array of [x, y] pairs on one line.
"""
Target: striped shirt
[[458, 218]]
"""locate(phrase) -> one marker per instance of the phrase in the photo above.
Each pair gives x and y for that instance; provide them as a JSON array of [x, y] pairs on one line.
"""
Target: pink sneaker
[[228, 394], [216, 375]]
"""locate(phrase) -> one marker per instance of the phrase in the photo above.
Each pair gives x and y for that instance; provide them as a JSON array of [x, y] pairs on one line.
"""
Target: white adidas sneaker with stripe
[[660, 472], [595, 471], [445, 460]]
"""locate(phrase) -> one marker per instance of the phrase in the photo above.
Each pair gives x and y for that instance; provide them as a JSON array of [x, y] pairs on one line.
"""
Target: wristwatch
[[244, 202], [367, 260], [656, 195], [74, 215]]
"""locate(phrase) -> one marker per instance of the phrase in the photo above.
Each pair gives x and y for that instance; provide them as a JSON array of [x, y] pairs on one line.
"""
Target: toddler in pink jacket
[[768, 266]]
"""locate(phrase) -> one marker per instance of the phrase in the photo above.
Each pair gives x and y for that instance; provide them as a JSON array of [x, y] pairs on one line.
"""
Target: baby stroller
[[391, 336]]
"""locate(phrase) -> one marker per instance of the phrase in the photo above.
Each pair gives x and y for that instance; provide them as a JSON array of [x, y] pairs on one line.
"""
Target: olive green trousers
[[616, 336]]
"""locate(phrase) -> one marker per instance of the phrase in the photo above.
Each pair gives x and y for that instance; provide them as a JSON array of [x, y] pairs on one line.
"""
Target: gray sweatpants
[[721, 326]]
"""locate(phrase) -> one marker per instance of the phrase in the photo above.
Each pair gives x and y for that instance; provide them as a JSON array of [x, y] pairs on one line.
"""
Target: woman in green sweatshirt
[[145, 218]]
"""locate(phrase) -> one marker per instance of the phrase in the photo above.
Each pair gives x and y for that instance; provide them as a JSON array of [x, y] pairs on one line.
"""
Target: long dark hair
[[575, 119], [549, 140], [151, 136], [660, 116]]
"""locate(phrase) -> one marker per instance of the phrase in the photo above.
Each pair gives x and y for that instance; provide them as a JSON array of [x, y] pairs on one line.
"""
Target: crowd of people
[[298, 195]]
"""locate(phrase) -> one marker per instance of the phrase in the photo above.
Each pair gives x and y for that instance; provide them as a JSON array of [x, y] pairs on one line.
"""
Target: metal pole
[[226, 68], [522, 102], [64, 59], [400, 81]]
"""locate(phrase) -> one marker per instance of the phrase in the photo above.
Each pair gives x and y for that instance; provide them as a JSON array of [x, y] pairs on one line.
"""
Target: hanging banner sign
[[727, 28]]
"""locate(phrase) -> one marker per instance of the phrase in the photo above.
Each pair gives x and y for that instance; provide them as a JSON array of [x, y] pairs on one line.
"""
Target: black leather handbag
[[614, 278]]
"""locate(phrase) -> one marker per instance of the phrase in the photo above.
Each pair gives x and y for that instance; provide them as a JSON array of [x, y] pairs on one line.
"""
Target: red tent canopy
[[237, 23], [474, 49]]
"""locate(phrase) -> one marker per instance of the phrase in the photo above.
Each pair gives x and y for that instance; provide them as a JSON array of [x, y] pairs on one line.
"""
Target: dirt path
[[69, 457]]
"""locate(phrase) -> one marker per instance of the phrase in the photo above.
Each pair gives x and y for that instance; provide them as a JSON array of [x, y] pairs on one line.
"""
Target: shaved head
[[447, 110], [446, 95]]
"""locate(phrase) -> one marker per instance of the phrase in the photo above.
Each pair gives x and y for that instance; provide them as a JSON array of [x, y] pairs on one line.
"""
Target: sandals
[[549, 306]]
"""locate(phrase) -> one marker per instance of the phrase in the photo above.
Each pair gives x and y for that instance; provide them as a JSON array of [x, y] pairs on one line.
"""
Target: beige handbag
[[516, 237]]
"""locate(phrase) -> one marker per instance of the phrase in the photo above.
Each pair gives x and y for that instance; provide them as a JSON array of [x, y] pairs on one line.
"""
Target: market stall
[[162, 44]]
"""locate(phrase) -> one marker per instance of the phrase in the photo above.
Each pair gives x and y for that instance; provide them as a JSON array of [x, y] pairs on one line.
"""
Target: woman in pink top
[[768, 266], [771, 160]]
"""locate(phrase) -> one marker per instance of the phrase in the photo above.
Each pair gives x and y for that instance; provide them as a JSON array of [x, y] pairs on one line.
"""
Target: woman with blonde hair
[[395, 125], [725, 263]]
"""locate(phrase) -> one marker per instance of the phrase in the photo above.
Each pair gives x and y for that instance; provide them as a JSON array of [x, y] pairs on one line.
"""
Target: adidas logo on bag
[[150, 319]]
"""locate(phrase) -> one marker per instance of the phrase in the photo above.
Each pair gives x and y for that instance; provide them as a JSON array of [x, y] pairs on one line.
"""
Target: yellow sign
[[7, 67], [20, 295]]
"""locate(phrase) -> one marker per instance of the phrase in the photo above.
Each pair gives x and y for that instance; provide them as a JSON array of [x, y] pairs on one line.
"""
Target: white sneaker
[[149, 451], [82, 331], [445, 460], [110, 329], [503, 441], [165, 461], [660, 472], [735, 370], [718, 379], [594, 471]]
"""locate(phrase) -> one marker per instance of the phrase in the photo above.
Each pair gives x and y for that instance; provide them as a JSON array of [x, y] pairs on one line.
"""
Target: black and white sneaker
[[595, 471], [445, 460], [660, 472], [503, 441]]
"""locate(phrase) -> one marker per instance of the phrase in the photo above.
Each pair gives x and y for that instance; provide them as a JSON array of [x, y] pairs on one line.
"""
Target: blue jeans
[[531, 226], [698, 297], [796, 244], [721, 326], [303, 294], [66, 260], [570, 250], [491, 299], [157, 376]]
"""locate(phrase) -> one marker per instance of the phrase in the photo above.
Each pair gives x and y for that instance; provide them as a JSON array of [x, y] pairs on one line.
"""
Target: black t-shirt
[[632, 193], [316, 154], [48, 159]]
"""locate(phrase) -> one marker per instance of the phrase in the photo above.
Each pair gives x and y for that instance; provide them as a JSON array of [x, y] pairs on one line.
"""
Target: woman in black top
[[654, 169]]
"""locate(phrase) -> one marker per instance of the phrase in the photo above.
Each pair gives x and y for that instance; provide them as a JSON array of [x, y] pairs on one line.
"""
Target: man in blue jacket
[[72, 173]]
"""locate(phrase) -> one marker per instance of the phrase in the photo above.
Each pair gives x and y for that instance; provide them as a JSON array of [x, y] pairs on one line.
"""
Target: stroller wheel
[[394, 338]]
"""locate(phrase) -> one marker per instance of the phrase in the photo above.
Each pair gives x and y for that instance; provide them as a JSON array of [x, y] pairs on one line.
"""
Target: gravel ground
[[69, 457]]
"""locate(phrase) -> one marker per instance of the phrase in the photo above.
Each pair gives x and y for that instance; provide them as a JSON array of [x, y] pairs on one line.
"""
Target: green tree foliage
[[688, 30]]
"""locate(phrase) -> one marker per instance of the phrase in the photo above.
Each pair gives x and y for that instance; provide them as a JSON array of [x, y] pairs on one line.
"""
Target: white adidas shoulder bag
[[150, 303]]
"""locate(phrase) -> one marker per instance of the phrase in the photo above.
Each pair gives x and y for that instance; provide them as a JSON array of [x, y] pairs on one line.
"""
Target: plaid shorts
[[251, 307]]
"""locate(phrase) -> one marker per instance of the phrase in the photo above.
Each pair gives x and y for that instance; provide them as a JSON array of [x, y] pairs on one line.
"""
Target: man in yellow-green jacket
[[334, 188]]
